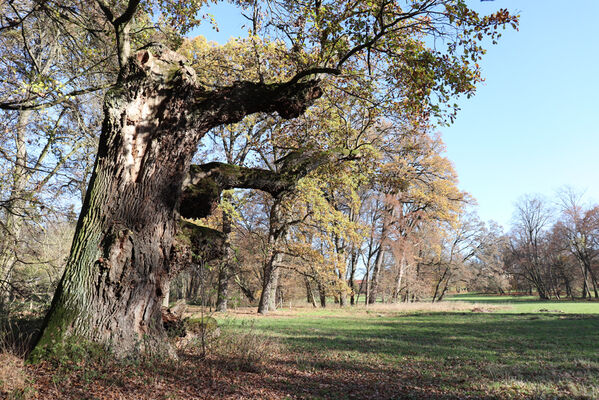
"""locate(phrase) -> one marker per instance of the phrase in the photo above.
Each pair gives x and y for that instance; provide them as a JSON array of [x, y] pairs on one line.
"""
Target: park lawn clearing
[[503, 353], [413, 351], [528, 304]]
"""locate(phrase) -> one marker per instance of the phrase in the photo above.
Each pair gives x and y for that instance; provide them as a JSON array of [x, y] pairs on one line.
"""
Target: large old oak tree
[[158, 110]]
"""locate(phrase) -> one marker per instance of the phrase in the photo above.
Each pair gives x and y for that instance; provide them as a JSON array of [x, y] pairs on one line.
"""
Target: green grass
[[530, 304], [514, 352]]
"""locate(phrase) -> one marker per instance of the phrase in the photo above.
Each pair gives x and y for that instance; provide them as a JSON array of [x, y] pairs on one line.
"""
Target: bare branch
[[30, 105], [106, 10]]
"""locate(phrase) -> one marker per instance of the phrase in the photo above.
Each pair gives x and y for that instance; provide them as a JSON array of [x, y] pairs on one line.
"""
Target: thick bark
[[222, 290], [270, 281], [205, 183], [274, 289], [278, 226], [166, 296], [342, 299], [155, 115]]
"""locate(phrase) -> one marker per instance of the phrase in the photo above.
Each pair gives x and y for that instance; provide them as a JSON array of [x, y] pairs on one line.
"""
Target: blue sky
[[531, 128]]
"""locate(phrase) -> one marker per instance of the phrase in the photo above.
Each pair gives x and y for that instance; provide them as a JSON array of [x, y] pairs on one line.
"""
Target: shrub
[[17, 335], [244, 348], [200, 325]]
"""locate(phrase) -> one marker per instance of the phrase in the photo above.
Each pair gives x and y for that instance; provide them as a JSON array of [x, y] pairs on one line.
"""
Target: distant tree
[[417, 185], [460, 242], [527, 256], [487, 268], [578, 227]]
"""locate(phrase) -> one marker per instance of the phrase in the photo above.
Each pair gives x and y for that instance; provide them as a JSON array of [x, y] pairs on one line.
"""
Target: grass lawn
[[514, 351], [530, 304], [505, 349]]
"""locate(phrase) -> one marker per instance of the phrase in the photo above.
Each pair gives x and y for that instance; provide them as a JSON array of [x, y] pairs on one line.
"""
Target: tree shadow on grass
[[480, 349], [416, 356]]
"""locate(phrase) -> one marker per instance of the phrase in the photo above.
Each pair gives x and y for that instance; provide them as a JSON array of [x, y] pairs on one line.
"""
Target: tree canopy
[[313, 85]]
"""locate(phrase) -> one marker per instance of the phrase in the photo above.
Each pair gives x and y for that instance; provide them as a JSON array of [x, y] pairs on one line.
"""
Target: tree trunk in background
[[445, 287], [342, 299], [323, 295], [222, 289], [585, 280], [366, 281], [270, 278], [439, 282], [118, 268], [351, 280], [400, 275], [247, 292], [267, 283], [309, 293], [193, 283], [274, 286], [14, 207], [226, 266], [378, 262], [374, 283], [342, 293], [593, 280]]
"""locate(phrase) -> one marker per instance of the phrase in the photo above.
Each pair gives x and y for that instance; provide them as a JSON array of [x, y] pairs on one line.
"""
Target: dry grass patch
[[14, 382], [244, 348], [380, 309], [444, 306]]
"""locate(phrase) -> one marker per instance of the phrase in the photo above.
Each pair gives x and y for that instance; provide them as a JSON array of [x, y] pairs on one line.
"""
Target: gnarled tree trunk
[[154, 117]]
